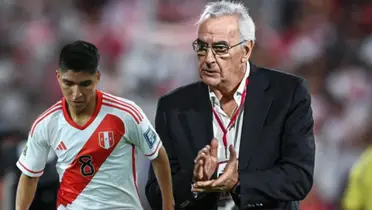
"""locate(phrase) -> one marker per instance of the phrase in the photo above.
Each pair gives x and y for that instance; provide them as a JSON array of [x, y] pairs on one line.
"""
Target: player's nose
[[76, 93]]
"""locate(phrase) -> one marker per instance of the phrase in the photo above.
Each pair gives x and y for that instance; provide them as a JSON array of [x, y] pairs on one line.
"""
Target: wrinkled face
[[221, 52], [78, 88]]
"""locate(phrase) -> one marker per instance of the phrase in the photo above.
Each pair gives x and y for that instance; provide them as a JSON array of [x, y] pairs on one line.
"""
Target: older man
[[243, 136]]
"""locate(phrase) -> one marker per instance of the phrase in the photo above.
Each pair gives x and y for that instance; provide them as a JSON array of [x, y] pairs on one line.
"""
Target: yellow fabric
[[358, 194]]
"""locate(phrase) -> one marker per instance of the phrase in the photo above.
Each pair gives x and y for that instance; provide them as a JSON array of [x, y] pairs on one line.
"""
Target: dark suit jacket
[[276, 158]]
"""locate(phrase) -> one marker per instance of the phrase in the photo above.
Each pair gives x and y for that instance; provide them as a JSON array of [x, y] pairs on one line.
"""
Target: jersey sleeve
[[35, 153], [144, 136]]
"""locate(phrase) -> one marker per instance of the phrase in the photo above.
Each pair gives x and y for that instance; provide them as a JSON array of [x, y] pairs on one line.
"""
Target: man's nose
[[76, 93], [210, 57]]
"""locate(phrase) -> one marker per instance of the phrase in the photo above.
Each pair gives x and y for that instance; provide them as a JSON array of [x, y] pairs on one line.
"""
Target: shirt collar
[[237, 95]]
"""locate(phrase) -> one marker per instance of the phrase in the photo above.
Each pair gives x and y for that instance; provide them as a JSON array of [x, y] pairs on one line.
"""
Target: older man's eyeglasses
[[217, 49]]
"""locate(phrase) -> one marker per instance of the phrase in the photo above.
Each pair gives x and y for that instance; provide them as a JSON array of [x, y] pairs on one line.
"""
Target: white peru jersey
[[97, 161]]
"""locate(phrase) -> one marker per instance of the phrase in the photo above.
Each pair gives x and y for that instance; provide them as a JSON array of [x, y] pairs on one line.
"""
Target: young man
[[95, 136]]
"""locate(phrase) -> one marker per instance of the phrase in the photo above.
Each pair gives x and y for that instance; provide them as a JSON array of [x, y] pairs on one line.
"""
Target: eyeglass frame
[[194, 43]]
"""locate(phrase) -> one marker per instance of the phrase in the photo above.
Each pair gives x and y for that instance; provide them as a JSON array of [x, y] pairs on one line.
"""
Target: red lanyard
[[233, 119]]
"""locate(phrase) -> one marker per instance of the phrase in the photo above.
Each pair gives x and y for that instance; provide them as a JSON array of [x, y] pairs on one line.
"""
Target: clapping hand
[[206, 162], [225, 182]]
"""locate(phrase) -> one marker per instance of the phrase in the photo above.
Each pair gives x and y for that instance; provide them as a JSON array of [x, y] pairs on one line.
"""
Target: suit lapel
[[257, 105], [197, 121]]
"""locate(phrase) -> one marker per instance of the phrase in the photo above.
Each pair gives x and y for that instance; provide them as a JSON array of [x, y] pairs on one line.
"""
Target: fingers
[[196, 170], [199, 163], [198, 166], [207, 170], [232, 153], [202, 167], [232, 160], [216, 189], [214, 148], [197, 157], [200, 170], [202, 153], [205, 152], [203, 184], [208, 150], [230, 168], [207, 186], [198, 190], [221, 180]]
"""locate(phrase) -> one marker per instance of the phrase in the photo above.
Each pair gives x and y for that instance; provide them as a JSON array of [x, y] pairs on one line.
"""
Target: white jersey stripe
[[111, 98], [123, 108], [43, 117], [56, 104], [59, 103]]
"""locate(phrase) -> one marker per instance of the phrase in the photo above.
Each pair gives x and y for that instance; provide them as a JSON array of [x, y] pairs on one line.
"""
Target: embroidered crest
[[106, 139]]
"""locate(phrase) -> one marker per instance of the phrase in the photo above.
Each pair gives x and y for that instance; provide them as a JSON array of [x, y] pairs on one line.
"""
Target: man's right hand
[[206, 162]]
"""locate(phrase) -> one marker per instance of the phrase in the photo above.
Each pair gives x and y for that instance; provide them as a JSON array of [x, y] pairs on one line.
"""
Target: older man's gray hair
[[247, 27]]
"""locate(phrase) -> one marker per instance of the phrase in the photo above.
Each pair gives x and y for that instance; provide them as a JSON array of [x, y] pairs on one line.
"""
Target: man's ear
[[247, 51]]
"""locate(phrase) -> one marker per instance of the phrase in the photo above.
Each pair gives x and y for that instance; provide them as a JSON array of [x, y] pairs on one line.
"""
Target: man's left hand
[[226, 181]]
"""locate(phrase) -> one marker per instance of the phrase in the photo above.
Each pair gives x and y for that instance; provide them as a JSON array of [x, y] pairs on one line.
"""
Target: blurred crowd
[[146, 51]]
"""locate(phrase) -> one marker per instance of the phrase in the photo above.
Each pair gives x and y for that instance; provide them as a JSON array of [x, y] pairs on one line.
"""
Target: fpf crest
[[106, 139]]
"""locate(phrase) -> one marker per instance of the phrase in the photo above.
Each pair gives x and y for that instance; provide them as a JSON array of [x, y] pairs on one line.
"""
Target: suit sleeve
[[180, 180], [35, 153], [292, 177]]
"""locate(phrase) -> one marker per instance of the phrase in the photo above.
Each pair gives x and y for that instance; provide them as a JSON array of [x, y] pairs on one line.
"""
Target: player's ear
[[98, 75], [58, 74]]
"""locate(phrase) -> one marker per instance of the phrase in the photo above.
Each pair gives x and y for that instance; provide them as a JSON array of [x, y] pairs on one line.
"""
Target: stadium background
[[146, 51]]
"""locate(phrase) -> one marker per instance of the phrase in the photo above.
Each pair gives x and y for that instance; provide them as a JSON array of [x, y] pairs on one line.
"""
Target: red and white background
[[146, 51]]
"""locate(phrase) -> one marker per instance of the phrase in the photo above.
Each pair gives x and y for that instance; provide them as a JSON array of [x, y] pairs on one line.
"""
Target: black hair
[[79, 56]]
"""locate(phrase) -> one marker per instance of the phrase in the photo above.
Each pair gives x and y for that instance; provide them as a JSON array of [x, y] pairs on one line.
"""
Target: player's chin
[[78, 106]]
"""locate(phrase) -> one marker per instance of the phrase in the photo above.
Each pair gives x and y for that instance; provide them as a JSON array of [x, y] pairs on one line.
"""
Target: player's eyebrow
[[72, 82], [86, 82], [67, 81]]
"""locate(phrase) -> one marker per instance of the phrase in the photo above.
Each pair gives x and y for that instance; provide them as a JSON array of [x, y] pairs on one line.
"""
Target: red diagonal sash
[[88, 161]]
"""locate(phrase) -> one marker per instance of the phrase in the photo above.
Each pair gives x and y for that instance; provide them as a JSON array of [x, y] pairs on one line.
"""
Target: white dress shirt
[[233, 134]]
